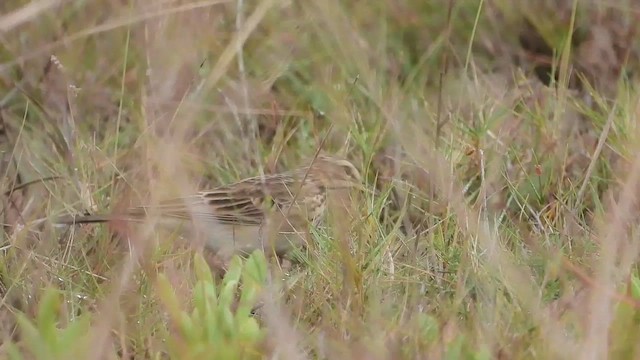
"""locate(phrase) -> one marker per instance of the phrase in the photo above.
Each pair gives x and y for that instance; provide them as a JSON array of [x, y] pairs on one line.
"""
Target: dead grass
[[502, 151]]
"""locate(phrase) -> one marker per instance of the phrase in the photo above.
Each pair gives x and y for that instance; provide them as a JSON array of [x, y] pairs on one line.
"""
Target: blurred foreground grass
[[503, 147]]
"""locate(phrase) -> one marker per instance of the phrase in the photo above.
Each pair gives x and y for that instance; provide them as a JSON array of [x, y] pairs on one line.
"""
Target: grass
[[503, 221]]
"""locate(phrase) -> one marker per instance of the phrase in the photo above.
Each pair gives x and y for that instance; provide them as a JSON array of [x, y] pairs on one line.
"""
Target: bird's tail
[[87, 219]]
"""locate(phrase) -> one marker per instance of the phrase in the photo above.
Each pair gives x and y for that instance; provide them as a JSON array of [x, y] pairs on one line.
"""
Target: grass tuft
[[497, 142]]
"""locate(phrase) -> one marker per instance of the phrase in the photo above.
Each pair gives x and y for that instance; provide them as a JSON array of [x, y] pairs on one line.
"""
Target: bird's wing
[[242, 203]]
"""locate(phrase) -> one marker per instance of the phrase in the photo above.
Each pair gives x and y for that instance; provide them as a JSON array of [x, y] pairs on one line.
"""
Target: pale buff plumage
[[269, 212]]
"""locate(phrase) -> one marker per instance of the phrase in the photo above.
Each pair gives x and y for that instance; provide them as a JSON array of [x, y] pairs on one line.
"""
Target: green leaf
[[249, 330], [234, 272], [203, 273], [213, 334], [228, 293], [47, 317], [454, 349], [197, 331], [211, 295], [168, 298], [32, 337], [247, 301], [212, 329], [635, 287], [200, 300], [14, 352], [73, 335], [227, 321], [482, 354], [186, 327], [429, 327], [255, 268]]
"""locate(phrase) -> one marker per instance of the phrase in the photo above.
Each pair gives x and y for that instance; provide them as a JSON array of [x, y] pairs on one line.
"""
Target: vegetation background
[[501, 137]]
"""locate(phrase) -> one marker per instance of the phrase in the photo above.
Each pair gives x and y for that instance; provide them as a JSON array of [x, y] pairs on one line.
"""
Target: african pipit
[[268, 212]]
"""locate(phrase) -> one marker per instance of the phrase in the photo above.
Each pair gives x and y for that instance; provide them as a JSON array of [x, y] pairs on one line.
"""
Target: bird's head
[[335, 172]]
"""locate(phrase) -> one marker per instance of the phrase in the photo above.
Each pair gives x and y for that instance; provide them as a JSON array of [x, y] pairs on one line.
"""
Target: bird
[[269, 212]]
